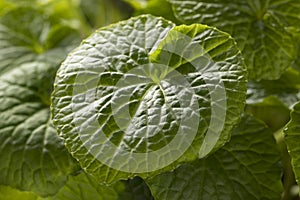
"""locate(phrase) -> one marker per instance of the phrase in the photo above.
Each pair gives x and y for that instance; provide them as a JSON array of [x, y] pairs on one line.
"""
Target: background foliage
[[259, 161]]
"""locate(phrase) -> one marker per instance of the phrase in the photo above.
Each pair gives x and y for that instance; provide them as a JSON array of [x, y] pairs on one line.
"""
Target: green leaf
[[5, 6], [287, 89], [292, 137], [140, 96], [8, 193], [137, 4], [33, 157], [66, 12], [270, 110], [154, 7], [27, 34], [216, 60], [297, 62], [259, 27], [136, 189], [271, 101], [100, 13], [82, 15], [295, 31], [86, 187], [245, 168], [286, 11], [122, 46]]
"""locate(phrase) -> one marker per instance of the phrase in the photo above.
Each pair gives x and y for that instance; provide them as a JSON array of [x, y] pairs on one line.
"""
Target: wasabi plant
[[157, 99]]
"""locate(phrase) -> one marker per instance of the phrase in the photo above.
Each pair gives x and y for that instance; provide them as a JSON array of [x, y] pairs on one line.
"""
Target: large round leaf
[[142, 96], [258, 26]]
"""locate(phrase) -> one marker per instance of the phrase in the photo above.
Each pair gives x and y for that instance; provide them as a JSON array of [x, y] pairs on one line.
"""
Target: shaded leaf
[[270, 110], [24, 38], [33, 157], [136, 189], [287, 89], [259, 27], [86, 187], [245, 168], [292, 137], [8, 193]]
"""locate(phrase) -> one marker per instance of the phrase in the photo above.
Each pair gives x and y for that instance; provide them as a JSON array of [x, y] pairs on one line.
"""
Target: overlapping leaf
[[86, 187], [32, 157], [286, 11], [24, 38], [270, 110], [292, 138], [14, 194], [271, 101], [123, 109], [287, 89], [136, 189], [245, 168], [259, 28]]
